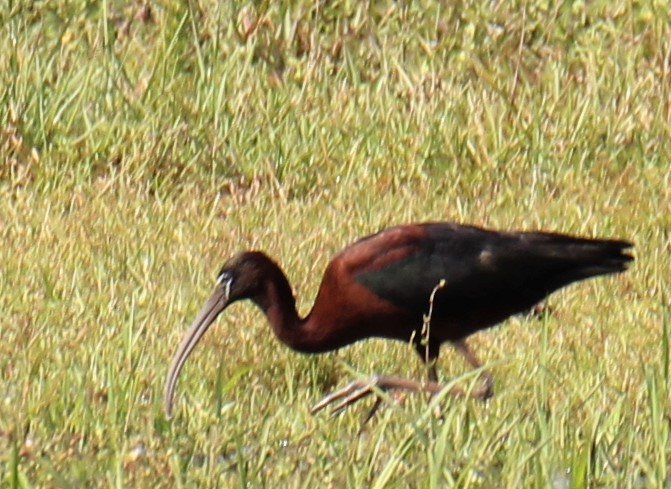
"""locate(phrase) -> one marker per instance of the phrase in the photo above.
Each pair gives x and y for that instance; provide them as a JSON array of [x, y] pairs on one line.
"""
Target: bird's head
[[240, 278]]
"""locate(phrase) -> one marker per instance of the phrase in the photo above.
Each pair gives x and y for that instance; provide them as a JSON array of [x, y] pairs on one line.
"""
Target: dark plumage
[[380, 286]]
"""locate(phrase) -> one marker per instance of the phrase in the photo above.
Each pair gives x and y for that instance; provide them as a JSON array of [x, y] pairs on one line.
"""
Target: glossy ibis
[[380, 286]]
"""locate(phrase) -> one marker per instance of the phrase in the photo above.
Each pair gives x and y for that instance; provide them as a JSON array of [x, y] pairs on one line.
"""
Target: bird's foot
[[340, 399], [486, 390], [358, 389]]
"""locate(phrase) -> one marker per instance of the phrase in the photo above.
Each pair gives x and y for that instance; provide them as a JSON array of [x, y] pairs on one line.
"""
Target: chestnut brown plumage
[[380, 285]]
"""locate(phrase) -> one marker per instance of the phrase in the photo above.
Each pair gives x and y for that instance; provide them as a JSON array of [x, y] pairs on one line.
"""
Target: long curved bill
[[208, 313]]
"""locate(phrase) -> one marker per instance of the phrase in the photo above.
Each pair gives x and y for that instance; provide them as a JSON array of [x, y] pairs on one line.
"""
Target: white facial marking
[[225, 280], [227, 287]]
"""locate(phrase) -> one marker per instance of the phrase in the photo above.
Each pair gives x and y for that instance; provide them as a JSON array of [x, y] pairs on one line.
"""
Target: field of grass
[[143, 143]]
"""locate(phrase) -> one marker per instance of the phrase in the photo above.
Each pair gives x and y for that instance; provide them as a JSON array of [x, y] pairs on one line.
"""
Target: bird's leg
[[432, 374], [486, 390], [358, 389], [429, 355]]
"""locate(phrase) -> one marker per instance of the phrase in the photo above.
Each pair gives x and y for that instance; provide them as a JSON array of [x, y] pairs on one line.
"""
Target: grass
[[144, 143]]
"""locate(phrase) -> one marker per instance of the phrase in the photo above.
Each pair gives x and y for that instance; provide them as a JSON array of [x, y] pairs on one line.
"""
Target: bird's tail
[[581, 258]]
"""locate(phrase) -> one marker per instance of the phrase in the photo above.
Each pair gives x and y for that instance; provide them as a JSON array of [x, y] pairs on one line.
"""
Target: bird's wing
[[403, 265]]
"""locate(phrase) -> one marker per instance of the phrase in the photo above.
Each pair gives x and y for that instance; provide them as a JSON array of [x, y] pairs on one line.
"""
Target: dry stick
[[426, 326]]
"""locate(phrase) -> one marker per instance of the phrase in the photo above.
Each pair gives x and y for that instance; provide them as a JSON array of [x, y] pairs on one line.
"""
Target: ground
[[143, 143]]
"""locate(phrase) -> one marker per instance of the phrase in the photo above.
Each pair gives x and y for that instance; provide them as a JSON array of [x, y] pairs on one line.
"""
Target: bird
[[382, 286]]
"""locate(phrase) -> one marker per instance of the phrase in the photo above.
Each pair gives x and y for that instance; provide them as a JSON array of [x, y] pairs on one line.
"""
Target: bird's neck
[[277, 302]]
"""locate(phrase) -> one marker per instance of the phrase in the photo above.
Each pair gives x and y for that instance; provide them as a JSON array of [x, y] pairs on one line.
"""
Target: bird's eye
[[224, 277]]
